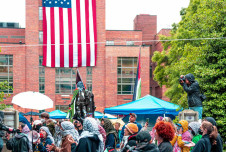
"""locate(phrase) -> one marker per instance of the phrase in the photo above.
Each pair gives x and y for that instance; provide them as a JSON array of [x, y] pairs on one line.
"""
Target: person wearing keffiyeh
[[90, 140], [110, 133], [69, 140]]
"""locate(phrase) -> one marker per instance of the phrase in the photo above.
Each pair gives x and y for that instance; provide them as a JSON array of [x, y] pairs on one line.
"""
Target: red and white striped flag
[[69, 33]]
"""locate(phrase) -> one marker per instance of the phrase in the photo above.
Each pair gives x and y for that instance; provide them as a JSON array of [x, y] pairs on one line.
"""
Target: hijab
[[49, 135], [91, 128], [69, 129]]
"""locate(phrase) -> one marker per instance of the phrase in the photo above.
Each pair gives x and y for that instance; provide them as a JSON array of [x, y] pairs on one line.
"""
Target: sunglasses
[[76, 121]]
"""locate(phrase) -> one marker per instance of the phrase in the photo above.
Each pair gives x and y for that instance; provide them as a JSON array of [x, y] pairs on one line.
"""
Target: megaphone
[[35, 136]]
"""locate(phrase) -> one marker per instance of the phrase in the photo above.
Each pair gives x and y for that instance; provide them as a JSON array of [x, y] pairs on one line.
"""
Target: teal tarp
[[146, 105], [57, 114]]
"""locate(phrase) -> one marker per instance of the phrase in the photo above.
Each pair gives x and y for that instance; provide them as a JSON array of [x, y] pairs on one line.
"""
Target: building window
[[3, 36], [129, 42], [89, 71], [41, 76], [62, 108], [110, 43], [127, 70], [18, 37], [40, 37], [65, 80], [6, 71], [40, 13]]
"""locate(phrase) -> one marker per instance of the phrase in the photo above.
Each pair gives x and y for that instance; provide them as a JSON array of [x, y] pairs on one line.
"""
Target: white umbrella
[[32, 100]]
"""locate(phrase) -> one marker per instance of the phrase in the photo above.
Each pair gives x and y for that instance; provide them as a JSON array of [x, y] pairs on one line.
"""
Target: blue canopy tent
[[57, 114], [146, 107]]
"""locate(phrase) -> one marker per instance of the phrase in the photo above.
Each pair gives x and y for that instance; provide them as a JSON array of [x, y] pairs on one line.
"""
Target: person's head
[[21, 126], [164, 131], [49, 121], [189, 78], [108, 126], [45, 115], [211, 120], [182, 124], [78, 124], [206, 128], [90, 125], [117, 126], [143, 136], [194, 128], [37, 125], [132, 117], [43, 131], [167, 119], [160, 118], [130, 129]]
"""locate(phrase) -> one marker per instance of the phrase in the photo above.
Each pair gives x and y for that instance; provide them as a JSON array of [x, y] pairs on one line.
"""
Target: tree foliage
[[3, 86], [204, 58]]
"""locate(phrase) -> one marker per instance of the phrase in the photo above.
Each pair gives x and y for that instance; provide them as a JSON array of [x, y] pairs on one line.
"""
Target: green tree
[[204, 58]]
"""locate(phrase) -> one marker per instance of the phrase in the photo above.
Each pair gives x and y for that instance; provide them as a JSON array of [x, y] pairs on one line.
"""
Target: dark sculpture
[[83, 103]]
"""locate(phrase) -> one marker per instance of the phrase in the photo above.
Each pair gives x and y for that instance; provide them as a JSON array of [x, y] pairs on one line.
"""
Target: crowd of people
[[94, 135]]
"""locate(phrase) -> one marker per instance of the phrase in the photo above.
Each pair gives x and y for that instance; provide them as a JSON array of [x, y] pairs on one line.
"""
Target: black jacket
[[146, 148], [19, 143], [165, 147], [219, 146], [88, 144], [203, 145], [193, 91]]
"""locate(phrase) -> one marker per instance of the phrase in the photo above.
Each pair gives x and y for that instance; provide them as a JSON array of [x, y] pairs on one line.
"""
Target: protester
[[44, 118], [181, 138], [130, 133], [194, 131], [118, 132], [45, 139], [191, 86], [164, 134], [58, 133], [152, 132], [37, 125], [20, 142], [143, 139], [132, 119], [78, 126], [168, 119], [110, 133], [130, 146], [218, 147], [207, 140], [69, 140], [51, 125], [91, 140]]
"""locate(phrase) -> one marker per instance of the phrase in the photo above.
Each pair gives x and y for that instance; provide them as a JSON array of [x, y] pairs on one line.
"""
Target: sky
[[119, 13]]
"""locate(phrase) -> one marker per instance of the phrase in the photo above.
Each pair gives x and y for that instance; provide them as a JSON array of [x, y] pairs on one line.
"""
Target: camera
[[182, 79], [8, 129]]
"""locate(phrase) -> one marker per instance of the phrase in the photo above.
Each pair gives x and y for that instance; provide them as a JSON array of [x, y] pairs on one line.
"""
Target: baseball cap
[[133, 114]]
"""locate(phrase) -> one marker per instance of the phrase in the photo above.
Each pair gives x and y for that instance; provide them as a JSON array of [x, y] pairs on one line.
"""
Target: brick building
[[111, 80]]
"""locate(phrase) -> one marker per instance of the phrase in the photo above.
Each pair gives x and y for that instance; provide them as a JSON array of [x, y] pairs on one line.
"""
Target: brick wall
[[120, 37], [112, 53], [148, 24], [12, 35]]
